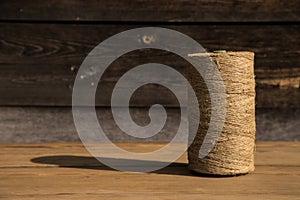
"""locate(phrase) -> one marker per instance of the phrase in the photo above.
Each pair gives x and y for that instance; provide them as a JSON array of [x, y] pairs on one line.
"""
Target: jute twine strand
[[233, 152]]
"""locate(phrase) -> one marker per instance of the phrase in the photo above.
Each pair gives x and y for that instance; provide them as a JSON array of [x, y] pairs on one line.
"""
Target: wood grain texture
[[153, 10], [55, 124], [60, 171], [38, 62]]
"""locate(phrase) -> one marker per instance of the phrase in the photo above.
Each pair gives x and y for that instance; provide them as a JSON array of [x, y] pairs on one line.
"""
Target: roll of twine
[[233, 152]]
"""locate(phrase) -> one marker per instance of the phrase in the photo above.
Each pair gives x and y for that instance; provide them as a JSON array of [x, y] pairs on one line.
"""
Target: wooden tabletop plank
[[67, 170]]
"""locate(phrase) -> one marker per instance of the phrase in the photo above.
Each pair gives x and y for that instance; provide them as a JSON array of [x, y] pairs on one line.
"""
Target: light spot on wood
[[73, 68], [148, 39]]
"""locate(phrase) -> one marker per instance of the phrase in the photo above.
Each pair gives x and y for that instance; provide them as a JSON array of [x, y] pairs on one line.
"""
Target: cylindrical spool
[[233, 152]]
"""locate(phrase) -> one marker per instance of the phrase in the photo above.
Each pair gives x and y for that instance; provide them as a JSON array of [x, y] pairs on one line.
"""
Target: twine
[[233, 152]]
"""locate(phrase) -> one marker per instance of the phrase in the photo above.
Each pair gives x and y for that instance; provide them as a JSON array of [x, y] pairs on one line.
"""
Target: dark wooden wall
[[42, 44]]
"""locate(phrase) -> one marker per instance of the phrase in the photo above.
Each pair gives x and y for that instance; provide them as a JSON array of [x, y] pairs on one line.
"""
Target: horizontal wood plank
[[151, 10], [55, 124], [60, 171], [38, 62]]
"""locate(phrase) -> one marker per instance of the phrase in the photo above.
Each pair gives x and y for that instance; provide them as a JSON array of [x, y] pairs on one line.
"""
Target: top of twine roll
[[222, 52]]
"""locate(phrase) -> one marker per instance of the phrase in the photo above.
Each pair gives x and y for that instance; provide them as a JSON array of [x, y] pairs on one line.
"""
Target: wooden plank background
[[55, 124], [151, 10], [42, 44], [38, 61]]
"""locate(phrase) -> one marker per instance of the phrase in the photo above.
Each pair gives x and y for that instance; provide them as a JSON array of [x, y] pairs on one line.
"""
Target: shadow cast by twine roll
[[233, 152]]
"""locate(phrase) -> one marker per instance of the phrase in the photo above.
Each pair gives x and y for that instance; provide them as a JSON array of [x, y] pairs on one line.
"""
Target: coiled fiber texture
[[233, 153]]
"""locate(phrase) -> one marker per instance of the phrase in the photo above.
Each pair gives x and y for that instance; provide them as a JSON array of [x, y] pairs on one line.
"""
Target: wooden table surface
[[68, 171]]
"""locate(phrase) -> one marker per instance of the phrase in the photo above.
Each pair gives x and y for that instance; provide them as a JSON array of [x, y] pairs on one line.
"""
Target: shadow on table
[[84, 162]]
